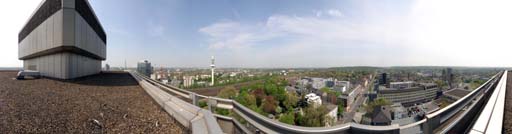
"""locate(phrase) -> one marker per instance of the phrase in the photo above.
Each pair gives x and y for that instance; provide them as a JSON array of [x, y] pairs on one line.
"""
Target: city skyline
[[291, 34]]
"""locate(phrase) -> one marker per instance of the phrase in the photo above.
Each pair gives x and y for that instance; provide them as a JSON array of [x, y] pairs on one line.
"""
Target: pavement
[[110, 102]]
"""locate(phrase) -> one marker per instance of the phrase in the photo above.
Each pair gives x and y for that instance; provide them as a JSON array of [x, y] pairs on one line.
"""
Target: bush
[[202, 104], [288, 118], [224, 112], [228, 92]]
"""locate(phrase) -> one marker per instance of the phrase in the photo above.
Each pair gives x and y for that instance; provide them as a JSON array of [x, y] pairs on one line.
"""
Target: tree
[[288, 118], [281, 94], [246, 99], [271, 89], [291, 101], [299, 120], [325, 89], [376, 103], [440, 83], [269, 105], [228, 92], [314, 117], [341, 109], [259, 94]]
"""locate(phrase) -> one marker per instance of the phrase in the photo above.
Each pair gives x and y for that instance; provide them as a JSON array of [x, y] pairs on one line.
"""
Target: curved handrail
[[272, 125]]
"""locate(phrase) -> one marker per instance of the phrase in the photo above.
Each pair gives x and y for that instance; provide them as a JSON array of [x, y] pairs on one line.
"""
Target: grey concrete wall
[[85, 37], [64, 28], [64, 65], [45, 36]]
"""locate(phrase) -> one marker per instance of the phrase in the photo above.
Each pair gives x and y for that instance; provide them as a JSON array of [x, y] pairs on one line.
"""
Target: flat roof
[[458, 92], [70, 106]]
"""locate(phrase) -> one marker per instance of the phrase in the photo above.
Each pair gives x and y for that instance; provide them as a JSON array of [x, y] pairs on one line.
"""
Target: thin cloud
[[231, 34]]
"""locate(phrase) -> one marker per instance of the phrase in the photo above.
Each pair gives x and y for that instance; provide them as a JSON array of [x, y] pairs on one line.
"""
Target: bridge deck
[[507, 124]]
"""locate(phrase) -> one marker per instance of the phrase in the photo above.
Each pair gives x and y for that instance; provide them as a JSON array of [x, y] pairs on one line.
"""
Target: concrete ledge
[[198, 120]]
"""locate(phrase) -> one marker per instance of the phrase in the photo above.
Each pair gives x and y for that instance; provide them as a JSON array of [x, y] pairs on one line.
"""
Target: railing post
[[194, 98], [431, 124], [212, 103]]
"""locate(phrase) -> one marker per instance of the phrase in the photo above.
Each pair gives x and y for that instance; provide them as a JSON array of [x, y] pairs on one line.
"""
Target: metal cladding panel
[[65, 28], [78, 31], [83, 66], [87, 39], [57, 29], [68, 3], [74, 61], [68, 33], [64, 65], [35, 46], [49, 32], [60, 69], [65, 62], [42, 36], [46, 47]]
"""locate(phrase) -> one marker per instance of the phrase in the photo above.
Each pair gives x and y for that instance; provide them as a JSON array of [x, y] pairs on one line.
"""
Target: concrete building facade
[[63, 39], [425, 92], [144, 67]]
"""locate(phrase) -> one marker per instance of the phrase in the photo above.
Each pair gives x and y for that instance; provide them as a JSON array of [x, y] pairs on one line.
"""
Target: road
[[349, 115]]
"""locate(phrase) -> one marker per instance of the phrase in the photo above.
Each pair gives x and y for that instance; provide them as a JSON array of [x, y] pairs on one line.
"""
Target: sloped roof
[[381, 115]]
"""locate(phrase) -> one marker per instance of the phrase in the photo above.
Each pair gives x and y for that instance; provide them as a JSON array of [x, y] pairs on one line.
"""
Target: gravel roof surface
[[111, 102], [507, 121]]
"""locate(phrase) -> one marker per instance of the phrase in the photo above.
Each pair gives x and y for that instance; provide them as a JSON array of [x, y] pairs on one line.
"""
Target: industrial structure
[[63, 39]]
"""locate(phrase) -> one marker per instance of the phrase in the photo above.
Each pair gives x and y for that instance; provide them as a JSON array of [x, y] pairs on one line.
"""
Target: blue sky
[[293, 33], [238, 33]]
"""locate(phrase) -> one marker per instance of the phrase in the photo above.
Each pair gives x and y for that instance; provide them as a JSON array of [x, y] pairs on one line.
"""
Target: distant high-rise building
[[448, 76], [213, 71], [188, 81], [107, 67], [144, 67], [63, 39], [383, 79]]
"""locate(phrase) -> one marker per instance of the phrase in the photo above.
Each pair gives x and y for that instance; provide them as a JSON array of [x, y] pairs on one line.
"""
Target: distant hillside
[[356, 68]]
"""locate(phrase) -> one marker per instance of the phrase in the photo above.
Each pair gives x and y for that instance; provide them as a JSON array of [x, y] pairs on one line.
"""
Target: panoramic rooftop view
[[256, 67]]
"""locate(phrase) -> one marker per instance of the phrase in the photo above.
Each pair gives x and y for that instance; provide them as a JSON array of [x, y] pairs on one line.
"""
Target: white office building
[[313, 99], [63, 39]]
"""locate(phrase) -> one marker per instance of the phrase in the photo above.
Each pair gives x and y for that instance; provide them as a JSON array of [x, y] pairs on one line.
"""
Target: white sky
[[14, 14]]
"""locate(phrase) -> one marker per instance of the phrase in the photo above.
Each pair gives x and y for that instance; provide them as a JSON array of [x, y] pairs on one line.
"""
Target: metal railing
[[491, 118], [427, 125], [198, 120]]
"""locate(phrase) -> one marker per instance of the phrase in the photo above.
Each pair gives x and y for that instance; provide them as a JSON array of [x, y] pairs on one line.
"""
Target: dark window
[[47, 9], [86, 12]]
